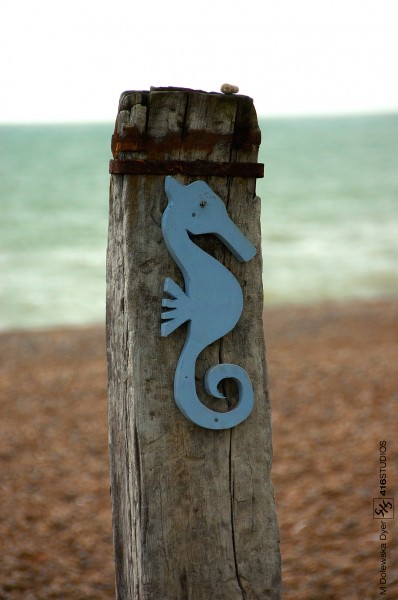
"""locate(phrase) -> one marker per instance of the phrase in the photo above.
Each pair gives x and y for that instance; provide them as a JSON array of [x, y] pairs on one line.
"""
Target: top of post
[[141, 136]]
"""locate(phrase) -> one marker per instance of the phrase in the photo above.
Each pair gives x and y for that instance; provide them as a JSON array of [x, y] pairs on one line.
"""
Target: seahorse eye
[[194, 214]]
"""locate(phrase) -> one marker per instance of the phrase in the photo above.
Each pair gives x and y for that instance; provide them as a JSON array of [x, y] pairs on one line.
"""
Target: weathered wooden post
[[193, 504]]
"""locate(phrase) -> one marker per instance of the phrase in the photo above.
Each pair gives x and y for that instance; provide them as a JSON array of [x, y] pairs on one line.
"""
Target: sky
[[69, 60]]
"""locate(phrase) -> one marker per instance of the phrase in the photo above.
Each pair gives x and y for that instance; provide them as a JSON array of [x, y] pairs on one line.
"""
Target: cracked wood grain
[[193, 509]]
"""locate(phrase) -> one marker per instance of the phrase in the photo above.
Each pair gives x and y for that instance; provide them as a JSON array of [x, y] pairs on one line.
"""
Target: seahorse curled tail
[[190, 405]]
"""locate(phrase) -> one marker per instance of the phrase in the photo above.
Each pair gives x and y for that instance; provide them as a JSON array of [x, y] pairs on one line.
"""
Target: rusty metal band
[[132, 140], [197, 168]]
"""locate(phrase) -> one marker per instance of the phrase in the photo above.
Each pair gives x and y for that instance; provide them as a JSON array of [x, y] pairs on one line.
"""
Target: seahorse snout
[[234, 239]]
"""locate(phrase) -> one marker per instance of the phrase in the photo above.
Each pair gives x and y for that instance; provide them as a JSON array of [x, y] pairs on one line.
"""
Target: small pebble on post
[[228, 88]]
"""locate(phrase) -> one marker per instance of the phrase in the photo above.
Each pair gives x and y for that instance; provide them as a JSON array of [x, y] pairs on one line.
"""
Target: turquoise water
[[330, 203], [330, 208]]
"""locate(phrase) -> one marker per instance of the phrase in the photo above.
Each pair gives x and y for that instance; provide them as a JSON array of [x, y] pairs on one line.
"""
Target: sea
[[329, 215]]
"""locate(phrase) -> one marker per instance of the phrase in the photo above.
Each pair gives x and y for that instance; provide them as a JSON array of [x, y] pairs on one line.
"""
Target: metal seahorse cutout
[[212, 301]]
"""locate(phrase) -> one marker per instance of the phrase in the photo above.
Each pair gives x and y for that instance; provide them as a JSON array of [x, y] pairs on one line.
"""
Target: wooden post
[[193, 508]]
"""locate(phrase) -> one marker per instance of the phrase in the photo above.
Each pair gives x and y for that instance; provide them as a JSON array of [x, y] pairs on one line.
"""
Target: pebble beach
[[333, 378]]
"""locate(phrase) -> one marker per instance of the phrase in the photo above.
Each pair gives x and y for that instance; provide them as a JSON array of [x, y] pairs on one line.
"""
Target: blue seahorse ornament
[[212, 301]]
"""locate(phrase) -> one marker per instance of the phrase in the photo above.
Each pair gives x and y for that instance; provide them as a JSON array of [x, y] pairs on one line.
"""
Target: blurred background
[[322, 76]]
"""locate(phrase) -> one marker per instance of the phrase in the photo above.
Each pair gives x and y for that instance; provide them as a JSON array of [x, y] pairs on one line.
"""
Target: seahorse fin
[[168, 303], [180, 305], [171, 288], [169, 326]]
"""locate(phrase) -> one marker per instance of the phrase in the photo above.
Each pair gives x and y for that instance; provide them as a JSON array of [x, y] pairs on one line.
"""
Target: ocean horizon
[[329, 208]]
